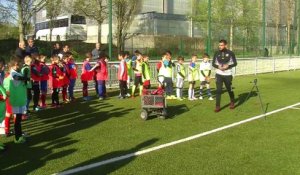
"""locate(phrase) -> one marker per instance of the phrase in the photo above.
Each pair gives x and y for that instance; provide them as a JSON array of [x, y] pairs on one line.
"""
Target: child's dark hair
[[122, 53], [180, 58], [88, 55], [168, 52], [194, 55], [13, 61], [102, 56], [205, 55], [137, 52]]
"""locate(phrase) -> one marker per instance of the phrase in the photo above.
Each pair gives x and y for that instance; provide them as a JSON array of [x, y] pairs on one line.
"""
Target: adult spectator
[[224, 60], [64, 51], [97, 51], [56, 49], [20, 51], [31, 48]]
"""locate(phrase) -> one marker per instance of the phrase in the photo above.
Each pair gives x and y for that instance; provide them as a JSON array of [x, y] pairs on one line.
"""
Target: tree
[[124, 12], [22, 14], [53, 8], [93, 9]]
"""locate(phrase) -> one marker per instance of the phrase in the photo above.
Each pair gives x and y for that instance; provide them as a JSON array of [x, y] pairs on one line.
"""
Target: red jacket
[[66, 74], [55, 73], [72, 69], [101, 71], [125, 74], [86, 75], [44, 71], [36, 71]]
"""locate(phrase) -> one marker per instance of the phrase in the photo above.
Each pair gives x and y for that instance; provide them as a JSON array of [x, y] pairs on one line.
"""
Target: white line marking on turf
[[86, 167], [295, 108]]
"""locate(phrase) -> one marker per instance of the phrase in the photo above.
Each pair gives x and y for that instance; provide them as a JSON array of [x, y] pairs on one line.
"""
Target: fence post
[[255, 66], [274, 65]]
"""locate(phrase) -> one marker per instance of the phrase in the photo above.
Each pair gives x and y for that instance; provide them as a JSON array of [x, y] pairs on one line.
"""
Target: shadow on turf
[[50, 131], [110, 168]]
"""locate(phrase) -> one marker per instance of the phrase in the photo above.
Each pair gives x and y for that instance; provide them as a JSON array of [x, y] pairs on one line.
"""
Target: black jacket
[[222, 57]]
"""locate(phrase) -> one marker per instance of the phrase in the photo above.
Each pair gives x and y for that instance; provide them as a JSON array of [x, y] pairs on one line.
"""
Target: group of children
[[196, 72], [29, 79]]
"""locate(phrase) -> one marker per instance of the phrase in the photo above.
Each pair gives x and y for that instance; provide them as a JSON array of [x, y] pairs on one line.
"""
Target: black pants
[[227, 80], [55, 98], [18, 126], [123, 88], [36, 93], [169, 85]]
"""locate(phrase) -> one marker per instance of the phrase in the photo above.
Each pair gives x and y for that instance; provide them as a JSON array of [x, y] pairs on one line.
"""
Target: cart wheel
[[144, 114]]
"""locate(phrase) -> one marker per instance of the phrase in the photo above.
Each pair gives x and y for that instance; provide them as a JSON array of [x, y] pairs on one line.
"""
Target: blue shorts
[[44, 86]]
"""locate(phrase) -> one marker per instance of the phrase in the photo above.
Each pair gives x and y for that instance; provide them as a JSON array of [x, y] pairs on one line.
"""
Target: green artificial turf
[[83, 133]]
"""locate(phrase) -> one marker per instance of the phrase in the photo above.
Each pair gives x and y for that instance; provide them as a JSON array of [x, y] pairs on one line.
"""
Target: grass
[[83, 133]]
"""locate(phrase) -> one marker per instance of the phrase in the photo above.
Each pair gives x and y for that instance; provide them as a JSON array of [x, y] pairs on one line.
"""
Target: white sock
[[178, 93], [190, 93]]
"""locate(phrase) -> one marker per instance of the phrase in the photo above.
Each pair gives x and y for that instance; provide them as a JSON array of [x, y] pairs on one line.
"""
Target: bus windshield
[[75, 19]]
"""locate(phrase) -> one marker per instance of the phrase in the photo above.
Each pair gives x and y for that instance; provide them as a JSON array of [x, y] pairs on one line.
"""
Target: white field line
[[295, 108], [86, 167]]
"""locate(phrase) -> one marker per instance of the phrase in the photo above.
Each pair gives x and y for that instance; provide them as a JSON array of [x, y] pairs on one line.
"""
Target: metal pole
[[298, 28], [208, 44], [110, 30], [264, 25]]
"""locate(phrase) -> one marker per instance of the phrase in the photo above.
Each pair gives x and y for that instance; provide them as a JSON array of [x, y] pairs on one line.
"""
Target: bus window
[[63, 23], [75, 19]]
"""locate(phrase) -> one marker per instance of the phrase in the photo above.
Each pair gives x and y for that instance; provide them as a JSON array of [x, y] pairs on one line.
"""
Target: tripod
[[255, 87]]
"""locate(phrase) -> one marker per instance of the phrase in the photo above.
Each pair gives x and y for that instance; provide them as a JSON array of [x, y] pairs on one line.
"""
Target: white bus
[[72, 27]]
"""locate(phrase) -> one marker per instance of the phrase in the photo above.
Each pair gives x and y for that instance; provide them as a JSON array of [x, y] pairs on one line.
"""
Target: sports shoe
[[217, 109], [169, 97], [20, 140], [128, 95], [231, 106], [190, 99], [101, 98], [180, 99], [200, 98], [210, 98]]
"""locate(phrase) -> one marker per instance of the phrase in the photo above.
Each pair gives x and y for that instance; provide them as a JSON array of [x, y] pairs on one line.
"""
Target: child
[[193, 76], [129, 69], [205, 71], [122, 75], [72, 76], [44, 80], [26, 72], [101, 75], [137, 68], [2, 72], [180, 77], [86, 75], [166, 70], [17, 91], [55, 80], [146, 72], [65, 80], [36, 78], [2, 110]]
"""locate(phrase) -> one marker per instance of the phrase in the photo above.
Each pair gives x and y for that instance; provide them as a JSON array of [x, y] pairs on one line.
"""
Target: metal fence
[[246, 66]]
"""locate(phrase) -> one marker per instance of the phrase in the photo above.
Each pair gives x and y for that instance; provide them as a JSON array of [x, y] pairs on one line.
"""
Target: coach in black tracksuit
[[224, 60]]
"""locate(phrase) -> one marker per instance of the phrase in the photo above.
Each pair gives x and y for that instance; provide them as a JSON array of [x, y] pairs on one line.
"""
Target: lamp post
[[110, 30]]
